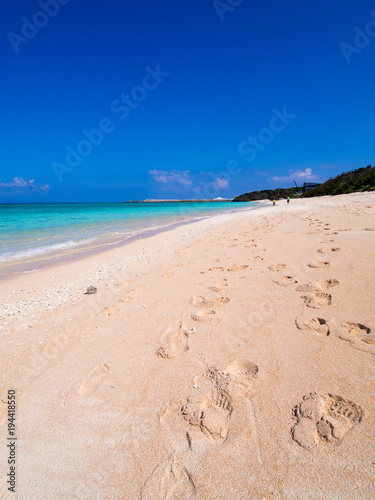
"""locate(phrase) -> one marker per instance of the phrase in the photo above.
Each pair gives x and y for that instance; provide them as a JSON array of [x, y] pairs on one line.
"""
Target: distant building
[[309, 185]]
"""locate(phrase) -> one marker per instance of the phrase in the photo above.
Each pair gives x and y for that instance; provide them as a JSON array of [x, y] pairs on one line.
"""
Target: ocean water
[[30, 233]]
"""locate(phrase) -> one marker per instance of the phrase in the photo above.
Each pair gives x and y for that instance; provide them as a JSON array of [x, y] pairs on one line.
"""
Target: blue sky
[[111, 101]]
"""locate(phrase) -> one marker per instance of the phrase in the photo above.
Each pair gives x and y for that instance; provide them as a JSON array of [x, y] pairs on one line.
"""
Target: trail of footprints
[[321, 420], [207, 411], [325, 419], [359, 336], [175, 339]]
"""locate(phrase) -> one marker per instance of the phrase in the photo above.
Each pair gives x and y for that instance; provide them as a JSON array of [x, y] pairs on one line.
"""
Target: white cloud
[[299, 175], [171, 177], [221, 183], [19, 184]]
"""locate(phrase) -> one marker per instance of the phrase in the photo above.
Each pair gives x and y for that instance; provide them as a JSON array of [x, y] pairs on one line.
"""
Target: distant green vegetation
[[362, 179], [267, 194]]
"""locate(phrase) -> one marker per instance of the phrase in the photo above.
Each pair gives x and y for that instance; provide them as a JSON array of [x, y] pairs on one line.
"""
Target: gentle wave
[[29, 233], [42, 250]]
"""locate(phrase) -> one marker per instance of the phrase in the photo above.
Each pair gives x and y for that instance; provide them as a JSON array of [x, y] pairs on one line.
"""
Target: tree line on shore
[[361, 179]]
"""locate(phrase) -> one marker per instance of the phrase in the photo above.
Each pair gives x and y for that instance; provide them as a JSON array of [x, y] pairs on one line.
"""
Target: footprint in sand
[[319, 264], [286, 281], [169, 481], [235, 267], [318, 300], [242, 376], [359, 336], [125, 299], [219, 286], [213, 269], [175, 342], [199, 301], [276, 267], [324, 419], [205, 316], [318, 325], [110, 311], [328, 249], [210, 406], [93, 380], [316, 286], [167, 275]]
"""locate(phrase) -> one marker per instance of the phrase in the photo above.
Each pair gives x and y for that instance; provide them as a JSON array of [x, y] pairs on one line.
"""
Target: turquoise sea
[[30, 233]]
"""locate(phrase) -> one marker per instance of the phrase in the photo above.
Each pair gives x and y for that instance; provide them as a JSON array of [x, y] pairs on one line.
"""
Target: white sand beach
[[232, 358]]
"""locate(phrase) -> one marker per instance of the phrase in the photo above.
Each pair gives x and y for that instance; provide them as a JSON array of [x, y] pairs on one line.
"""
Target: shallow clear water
[[32, 231]]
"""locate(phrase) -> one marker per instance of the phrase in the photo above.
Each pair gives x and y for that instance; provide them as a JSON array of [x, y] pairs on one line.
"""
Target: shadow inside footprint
[[360, 336], [175, 343], [328, 250], [318, 264], [317, 300], [318, 325], [209, 408], [199, 301], [235, 267], [286, 281], [205, 316], [324, 419], [276, 267], [316, 286]]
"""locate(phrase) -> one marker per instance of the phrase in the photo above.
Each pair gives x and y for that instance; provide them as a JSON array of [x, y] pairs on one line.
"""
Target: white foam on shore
[[30, 253]]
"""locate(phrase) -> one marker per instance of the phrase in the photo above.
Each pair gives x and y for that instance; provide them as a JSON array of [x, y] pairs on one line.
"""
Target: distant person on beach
[[274, 202], [288, 200]]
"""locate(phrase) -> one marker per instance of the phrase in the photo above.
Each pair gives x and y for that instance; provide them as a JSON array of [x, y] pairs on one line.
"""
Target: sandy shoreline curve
[[229, 358]]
